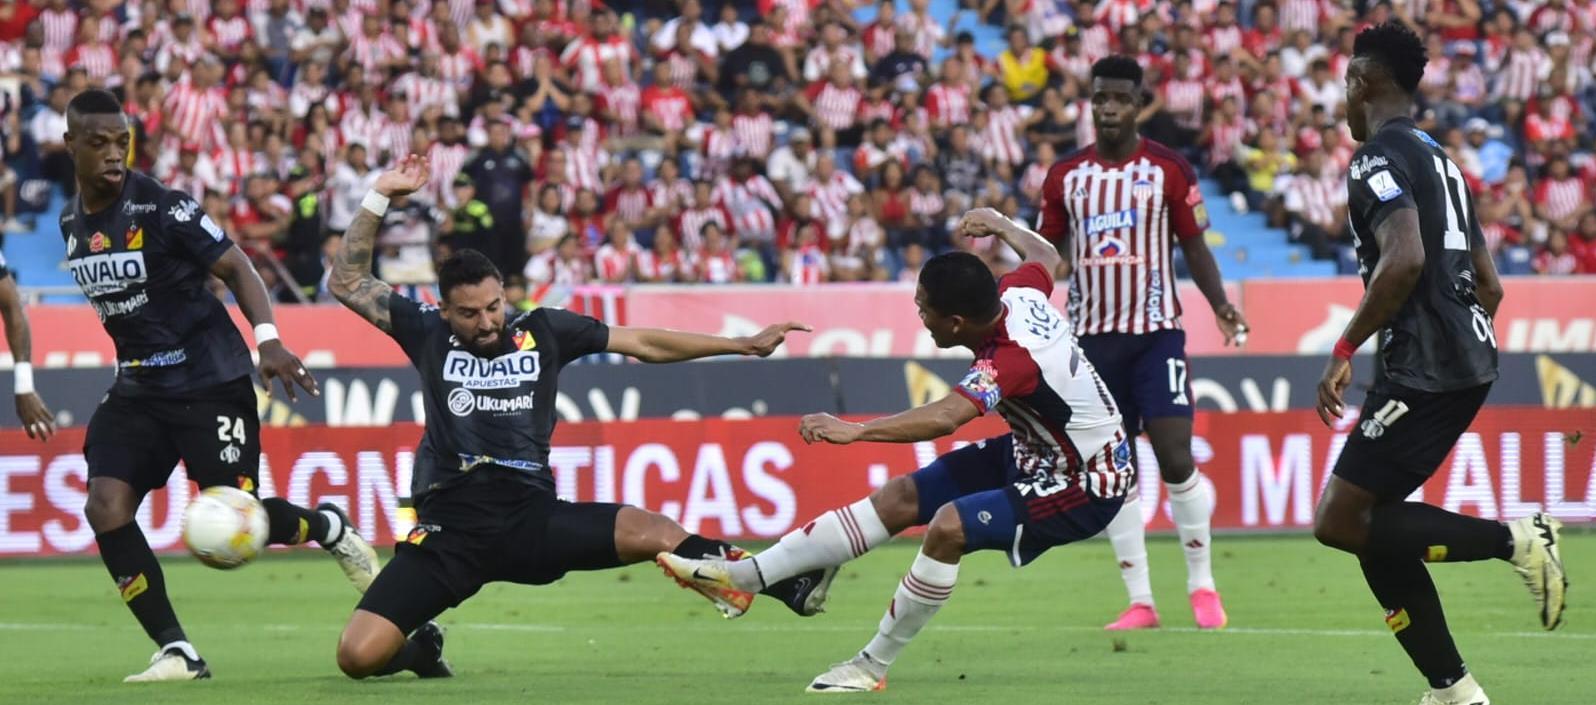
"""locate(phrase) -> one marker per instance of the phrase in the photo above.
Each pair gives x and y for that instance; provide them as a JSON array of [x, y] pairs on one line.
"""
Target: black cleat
[[431, 663], [804, 594]]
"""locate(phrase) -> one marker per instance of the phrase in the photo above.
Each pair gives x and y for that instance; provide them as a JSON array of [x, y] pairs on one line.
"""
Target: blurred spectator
[[1554, 258]]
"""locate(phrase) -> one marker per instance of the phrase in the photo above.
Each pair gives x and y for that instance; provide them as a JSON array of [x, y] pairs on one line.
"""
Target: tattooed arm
[[352, 281]]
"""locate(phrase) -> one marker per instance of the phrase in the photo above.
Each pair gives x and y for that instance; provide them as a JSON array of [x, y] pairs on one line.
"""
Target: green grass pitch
[[1303, 629]]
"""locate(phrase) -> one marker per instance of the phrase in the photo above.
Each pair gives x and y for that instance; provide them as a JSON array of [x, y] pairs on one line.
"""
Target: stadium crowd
[[777, 140]]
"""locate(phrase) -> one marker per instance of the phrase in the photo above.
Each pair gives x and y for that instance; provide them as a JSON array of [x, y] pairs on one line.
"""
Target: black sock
[[291, 524], [1404, 530], [695, 546], [1413, 611], [404, 660], [138, 577]]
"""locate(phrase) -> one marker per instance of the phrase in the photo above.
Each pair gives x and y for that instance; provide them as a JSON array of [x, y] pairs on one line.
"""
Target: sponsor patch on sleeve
[[1384, 185], [981, 384], [1194, 196]]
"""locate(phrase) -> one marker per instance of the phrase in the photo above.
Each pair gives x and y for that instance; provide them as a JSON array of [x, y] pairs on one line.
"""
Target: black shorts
[[1402, 437], [437, 568], [215, 432]]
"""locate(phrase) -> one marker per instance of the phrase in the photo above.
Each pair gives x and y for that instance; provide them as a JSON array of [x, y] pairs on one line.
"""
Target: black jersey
[[144, 263], [495, 413], [1441, 339]]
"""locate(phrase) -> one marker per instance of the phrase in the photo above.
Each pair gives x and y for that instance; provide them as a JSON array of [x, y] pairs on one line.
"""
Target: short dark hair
[[1118, 66], [95, 101], [1397, 50], [960, 284], [466, 266]]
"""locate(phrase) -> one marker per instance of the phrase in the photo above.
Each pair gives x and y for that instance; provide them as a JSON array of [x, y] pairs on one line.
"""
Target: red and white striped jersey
[[690, 225], [836, 107], [948, 105], [817, 64], [583, 167], [303, 95], [652, 266], [808, 266], [421, 93], [1301, 15], [716, 146], [232, 165], [1223, 40], [614, 264], [1183, 98], [548, 268], [1003, 140], [670, 105], [588, 56], [1315, 197], [99, 60], [830, 198], [752, 203], [393, 137], [447, 161], [683, 65], [1560, 198], [1066, 426], [928, 206], [927, 31], [1224, 138], [1035, 175], [1097, 42], [195, 115], [459, 68], [879, 40], [185, 53], [629, 204], [373, 53], [755, 133], [1521, 74], [1119, 222], [364, 127], [60, 29], [621, 103], [1219, 90], [671, 195], [717, 268], [229, 34]]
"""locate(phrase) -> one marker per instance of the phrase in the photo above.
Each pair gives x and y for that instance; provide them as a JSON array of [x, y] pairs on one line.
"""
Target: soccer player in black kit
[[485, 503], [1431, 291], [143, 255]]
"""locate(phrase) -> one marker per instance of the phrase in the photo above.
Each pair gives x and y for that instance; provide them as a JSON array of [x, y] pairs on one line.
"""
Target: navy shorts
[[1003, 510], [1145, 373]]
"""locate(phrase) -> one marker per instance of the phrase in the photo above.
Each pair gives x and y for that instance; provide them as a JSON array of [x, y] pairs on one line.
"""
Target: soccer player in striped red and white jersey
[[1117, 208], [1060, 476]]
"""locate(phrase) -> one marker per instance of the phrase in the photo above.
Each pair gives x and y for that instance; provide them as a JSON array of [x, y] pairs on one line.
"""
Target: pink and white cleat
[[1137, 616], [1208, 609]]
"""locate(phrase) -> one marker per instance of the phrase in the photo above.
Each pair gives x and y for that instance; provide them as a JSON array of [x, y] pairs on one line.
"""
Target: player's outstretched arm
[[35, 416], [987, 222], [658, 345], [351, 281], [922, 423], [1205, 273], [276, 362], [1401, 264]]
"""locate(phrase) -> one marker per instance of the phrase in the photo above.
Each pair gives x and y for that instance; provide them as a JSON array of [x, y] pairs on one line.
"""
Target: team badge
[[1142, 189], [135, 238], [99, 243], [981, 384], [524, 341], [1109, 246]]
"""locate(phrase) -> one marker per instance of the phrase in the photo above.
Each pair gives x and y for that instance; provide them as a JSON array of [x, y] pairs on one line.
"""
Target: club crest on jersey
[[981, 384], [99, 242], [1109, 246], [1142, 190], [135, 238], [1111, 221], [504, 371], [1384, 186], [524, 341]]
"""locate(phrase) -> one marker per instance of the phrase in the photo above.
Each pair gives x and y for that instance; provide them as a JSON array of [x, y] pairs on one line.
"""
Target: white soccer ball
[[225, 527]]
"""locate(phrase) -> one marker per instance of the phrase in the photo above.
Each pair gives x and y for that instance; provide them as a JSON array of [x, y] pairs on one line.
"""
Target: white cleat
[[1538, 559], [174, 662], [856, 675], [1463, 692], [710, 579], [356, 557]]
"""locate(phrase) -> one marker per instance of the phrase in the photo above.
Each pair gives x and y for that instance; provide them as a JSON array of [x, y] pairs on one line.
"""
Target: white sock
[[335, 528], [1193, 506], [183, 646], [920, 594], [1129, 538], [836, 537]]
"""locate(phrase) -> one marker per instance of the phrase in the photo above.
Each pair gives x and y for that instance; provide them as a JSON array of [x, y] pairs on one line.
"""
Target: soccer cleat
[[173, 662], [1208, 609], [433, 665], [860, 674], [805, 594], [1463, 692], [708, 578], [354, 555], [1137, 616], [1539, 561]]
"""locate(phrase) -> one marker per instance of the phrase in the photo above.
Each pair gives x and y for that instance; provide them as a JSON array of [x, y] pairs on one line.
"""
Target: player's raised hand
[[1232, 325], [407, 177], [815, 428], [35, 416], [766, 341], [1337, 377], [276, 362], [982, 222]]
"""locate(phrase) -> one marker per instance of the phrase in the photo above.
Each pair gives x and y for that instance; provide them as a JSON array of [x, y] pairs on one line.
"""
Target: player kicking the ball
[[1059, 477], [142, 255], [1431, 291], [485, 503], [1118, 207]]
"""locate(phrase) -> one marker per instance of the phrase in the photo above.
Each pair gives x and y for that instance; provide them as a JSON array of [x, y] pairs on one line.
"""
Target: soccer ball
[[225, 527]]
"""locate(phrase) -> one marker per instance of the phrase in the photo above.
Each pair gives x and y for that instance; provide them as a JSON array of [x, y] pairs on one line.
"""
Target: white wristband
[[375, 202], [265, 333], [22, 378]]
